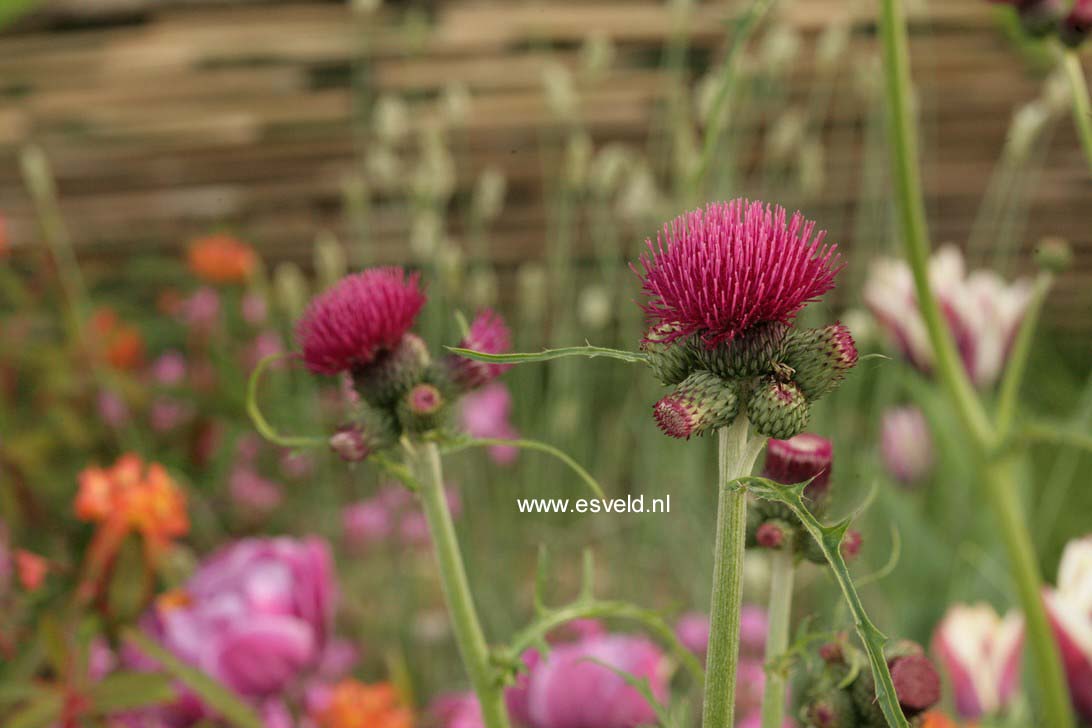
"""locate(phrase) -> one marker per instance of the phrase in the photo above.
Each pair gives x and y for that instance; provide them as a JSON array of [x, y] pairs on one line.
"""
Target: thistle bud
[[917, 683], [671, 361], [820, 358], [851, 545], [798, 459], [700, 403], [778, 409], [373, 431], [1077, 25], [385, 380], [422, 408], [1054, 255], [749, 354], [773, 534], [833, 709]]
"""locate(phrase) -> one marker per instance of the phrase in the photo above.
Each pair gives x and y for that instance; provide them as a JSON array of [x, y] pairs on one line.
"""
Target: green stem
[[460, 602], [1024, 570], [737, 454], [1082, 108], [995, 475], [1018, 358], [911, 205], [782, 568]]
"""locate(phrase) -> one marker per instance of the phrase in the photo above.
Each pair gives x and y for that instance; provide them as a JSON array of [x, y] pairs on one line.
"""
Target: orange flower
[[936, 719], [32, 569], [353, 704], [121, 343], [221, 259], [133, 497]]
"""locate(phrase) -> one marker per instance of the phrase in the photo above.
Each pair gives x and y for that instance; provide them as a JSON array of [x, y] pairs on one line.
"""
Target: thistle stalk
[[425, 461], [782, 567], [737, 452], [1082, 107], [996, 476]]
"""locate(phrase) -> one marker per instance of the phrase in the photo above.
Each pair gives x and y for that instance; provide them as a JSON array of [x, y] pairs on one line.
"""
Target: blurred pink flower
[[906, 444], [1070, 608], [982, 310], [169, 369], [753, 627], [457, 710], [980, 651], [254, 309], [692, 629], [485, 413], [202, 309], [252, 493], [113, 411], [266, 343], [296, 465], [255, 616], [570, 689], [365, 522], [489, 334], [167, 414]]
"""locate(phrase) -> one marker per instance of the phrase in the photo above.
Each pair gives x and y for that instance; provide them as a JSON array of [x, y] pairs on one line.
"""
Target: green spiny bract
[[833, 709], [393, 373], [750, 354], [700, 403], [778, 409], [819, 358], [671, 361]]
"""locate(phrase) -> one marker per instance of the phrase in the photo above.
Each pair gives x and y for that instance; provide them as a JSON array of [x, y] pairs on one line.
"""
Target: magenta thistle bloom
[[799, 458], [719, 271], [363, 315], [488, 334]]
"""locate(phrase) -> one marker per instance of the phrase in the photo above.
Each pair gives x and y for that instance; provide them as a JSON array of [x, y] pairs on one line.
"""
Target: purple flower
[[253, 493], [366, 522], [485, 413], [266, 343], [255, 616], [169, 369], [1070, 608], [254, 309], [489, 334], [570, 689], [201, 310], [718, 272], [296, 465], [692, 629], [457, 710], [167, 414], [982, 310], [906, 445], [980, 651], [363, 315], [113, 410], [798, 459], [753, 627]]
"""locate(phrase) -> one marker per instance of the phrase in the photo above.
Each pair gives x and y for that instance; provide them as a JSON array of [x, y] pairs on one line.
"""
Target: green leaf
[[129, 690], [464, 442], [829, 539], [634, 357], [42, 711], [218, 697]]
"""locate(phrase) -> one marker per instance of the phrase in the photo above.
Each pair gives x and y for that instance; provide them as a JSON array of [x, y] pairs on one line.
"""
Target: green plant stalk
[[1082, 107], [782, 568], [737, 452], [460, 601], [995, 477], [1018, 358]]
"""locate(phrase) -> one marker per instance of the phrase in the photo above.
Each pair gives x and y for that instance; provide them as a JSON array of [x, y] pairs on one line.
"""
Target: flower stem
[[1082, 108], [460, 602], [782, 569], [737, 454], [995, 474], [1019, 355]]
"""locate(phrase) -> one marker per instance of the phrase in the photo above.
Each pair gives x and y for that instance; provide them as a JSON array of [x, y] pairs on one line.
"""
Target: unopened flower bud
[[751, 353], [917, 683], [422, 408], [488, 334], [700, 403], [1054, 255], [373, 431], [833, 709], [349, 443], [772, 534], [1039, 17], [832, 653], [851, 545], [671, 361], [820, 358], [806, 456], [1077, 25], [393, 372], [778, 409]]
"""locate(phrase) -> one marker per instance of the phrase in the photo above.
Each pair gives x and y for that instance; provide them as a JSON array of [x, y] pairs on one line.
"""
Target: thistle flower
[[980, 651], [799, 458], [365, 314], [905, 444], [1070, 609], [489, 334], [717, 272], [356, 441], [422, 408], [700, 403], [820, 358], [670, 363], [752, 353], [221, 259], [778, 409], [917, 687], [983, 312], [486, 413], [1077, 25]]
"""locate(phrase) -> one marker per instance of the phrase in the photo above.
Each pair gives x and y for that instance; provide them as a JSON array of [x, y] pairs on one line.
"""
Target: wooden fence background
[[165, 118]]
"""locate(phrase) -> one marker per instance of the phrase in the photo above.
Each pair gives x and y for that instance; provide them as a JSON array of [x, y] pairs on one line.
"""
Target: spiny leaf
[[634, 357], [870, 635]]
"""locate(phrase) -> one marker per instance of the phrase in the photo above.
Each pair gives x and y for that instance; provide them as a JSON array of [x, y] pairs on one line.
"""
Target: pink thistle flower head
[[488, 334], [363, 315], [799, 458], [719, 271]]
